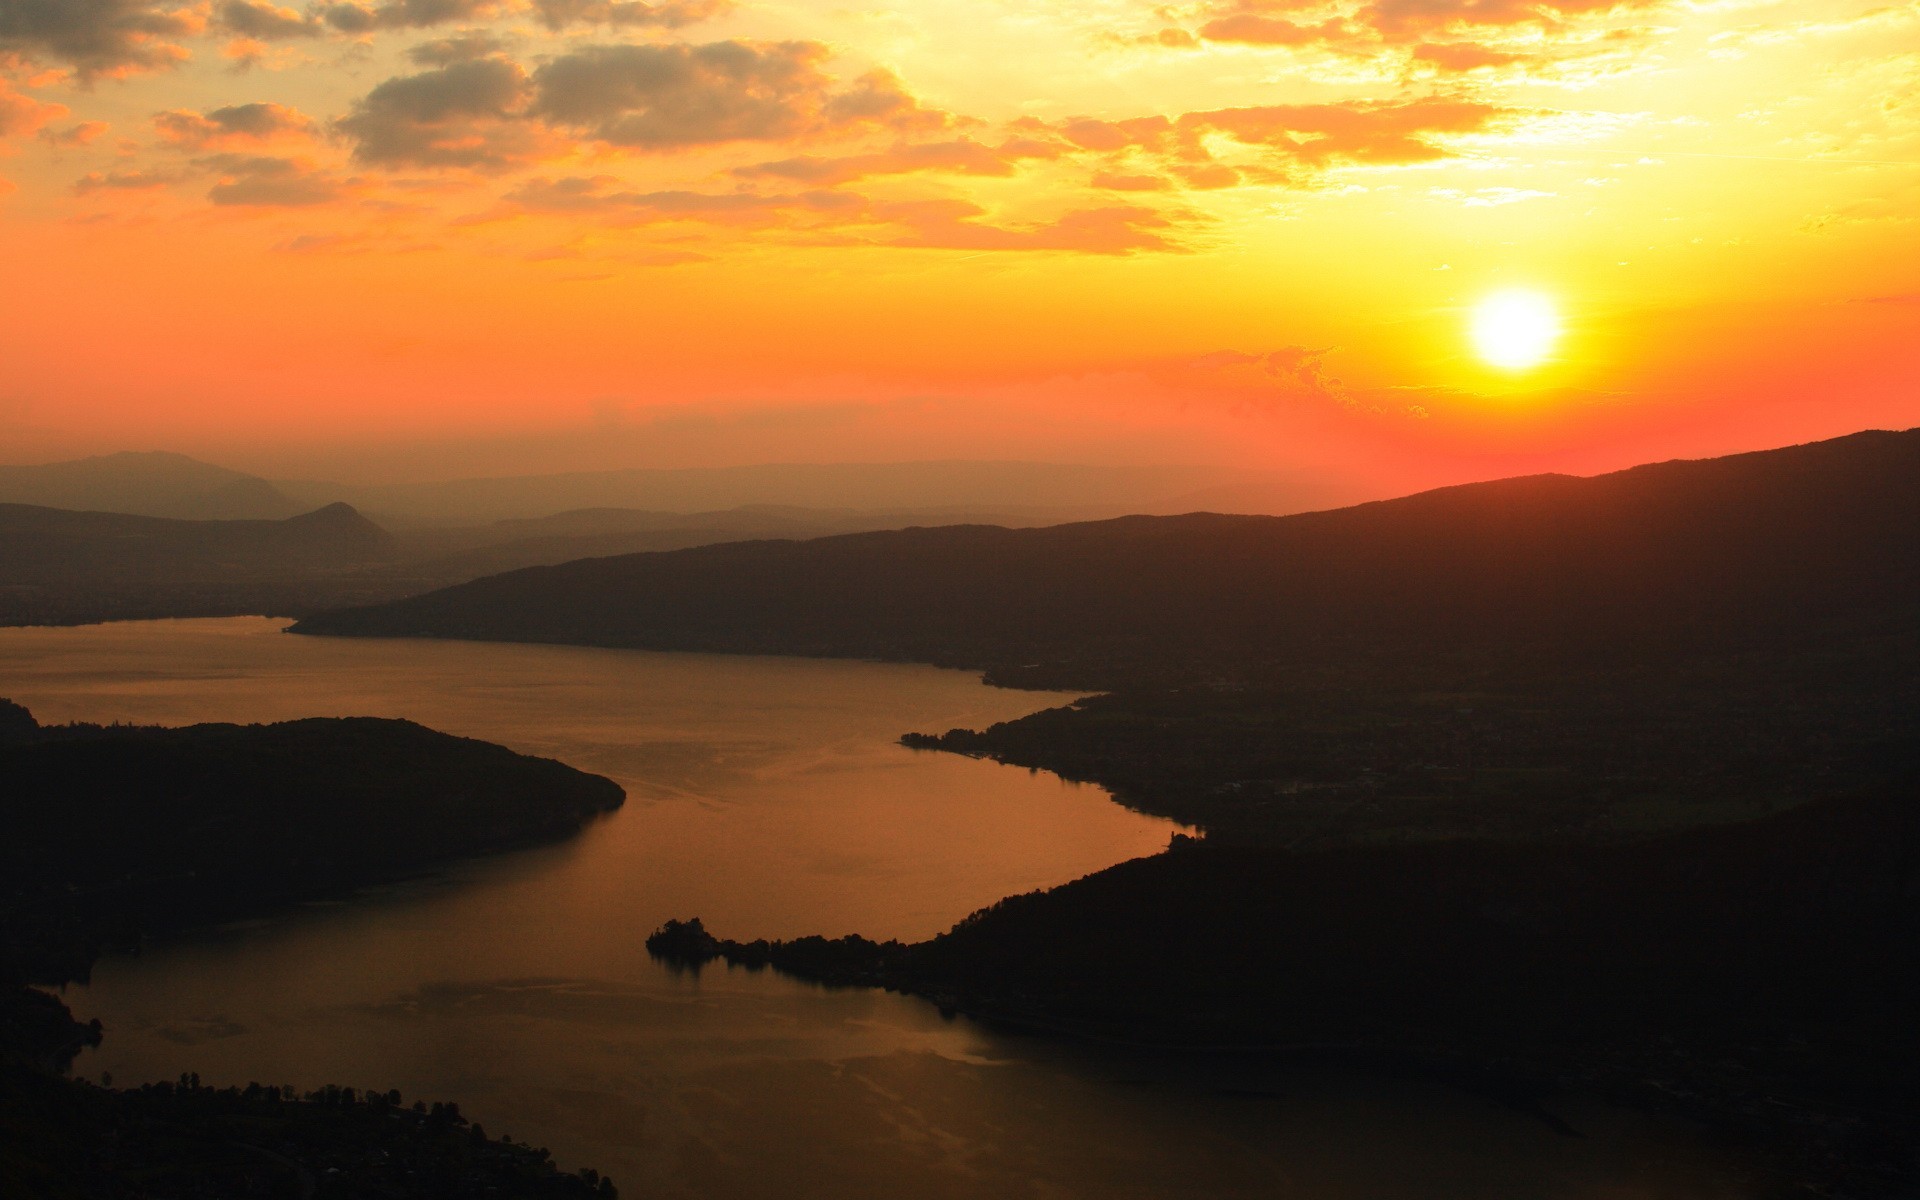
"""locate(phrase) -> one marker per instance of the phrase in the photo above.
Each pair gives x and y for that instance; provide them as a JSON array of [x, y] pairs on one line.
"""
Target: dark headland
[[108, 833], [1604, 782]]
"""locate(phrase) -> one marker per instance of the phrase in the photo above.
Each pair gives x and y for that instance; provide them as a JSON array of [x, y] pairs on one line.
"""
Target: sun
[[1516, 328]]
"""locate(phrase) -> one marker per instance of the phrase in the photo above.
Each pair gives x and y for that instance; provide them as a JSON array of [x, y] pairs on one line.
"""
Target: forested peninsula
[[111, 832]]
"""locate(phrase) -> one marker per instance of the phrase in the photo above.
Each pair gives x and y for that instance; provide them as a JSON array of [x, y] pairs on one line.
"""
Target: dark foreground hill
[[104, 830], [109, 832], [1821, 535], [1761, 976]]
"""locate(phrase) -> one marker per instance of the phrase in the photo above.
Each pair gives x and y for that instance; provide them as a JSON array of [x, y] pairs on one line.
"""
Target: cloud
[[956, 225], [1090, 134], [263, 181], [465, 46], [669, 14], [1464, 56], [1311, 136], [1118, 182], [1352, 131], [83, 133], [234, 127], [666, 97], [1176, 39], [466, 114], [263, 21], [1439, 35], [122, 181], [97, 37], [1396, 19], [961, 156], [1206, 176], [405, 14], [1254, 29], [601, 196], [256, 21], [489, 113], [942, 224], [878, 98], [678, 100], [1290, 374], [20, 114], [1300, 373]]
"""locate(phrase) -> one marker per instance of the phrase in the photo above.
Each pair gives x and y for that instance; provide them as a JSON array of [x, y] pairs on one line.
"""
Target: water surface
[[767, 796]]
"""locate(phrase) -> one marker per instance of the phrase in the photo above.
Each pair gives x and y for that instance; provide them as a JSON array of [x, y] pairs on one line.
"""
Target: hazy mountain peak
[[150, 483]]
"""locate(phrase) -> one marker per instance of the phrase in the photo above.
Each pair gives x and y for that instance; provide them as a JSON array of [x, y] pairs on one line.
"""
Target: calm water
[[765, 795]]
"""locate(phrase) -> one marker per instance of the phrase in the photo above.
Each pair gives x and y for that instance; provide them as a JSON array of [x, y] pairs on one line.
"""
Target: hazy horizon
[[1397, 244], [424, 466]]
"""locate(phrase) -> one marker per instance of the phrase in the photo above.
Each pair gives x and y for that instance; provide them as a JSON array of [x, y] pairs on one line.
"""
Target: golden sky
[[709, 231]]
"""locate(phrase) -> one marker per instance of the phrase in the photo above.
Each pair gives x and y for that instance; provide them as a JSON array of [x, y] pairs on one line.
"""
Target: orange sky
[[605, 232]]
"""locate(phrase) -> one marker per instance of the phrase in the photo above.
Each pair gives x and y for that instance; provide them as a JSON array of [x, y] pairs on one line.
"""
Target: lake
[[767, 796]]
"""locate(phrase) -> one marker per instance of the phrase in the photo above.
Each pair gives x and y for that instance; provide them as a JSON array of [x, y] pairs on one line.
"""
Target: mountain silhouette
[[147, 483], [1748, 545], [55, 546]]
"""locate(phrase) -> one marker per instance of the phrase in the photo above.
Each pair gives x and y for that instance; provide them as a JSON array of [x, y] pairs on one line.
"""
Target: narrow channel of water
[[767, 796]]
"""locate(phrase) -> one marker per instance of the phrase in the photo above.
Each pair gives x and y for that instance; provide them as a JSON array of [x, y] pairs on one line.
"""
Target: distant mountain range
[[63, 567], [62, 564], [47, 545], [1815, 533], [159, 484], [72, 547], [1037, 492], [152, 484]]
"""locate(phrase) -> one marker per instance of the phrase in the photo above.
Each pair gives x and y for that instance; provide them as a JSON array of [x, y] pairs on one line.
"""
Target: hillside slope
[[1750, 544], [40, 545], [64, 567], [1758, 977]]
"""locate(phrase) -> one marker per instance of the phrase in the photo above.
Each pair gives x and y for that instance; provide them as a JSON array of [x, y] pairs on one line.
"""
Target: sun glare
[[1515, 329]]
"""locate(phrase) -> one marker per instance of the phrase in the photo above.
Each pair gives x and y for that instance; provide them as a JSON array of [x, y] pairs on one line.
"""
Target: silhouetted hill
[[153, 484], [59, 566], [1760, 975], [63, 567], [110, 832], [459, 555], [103, 825], [1742, 546], [45, 545]]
